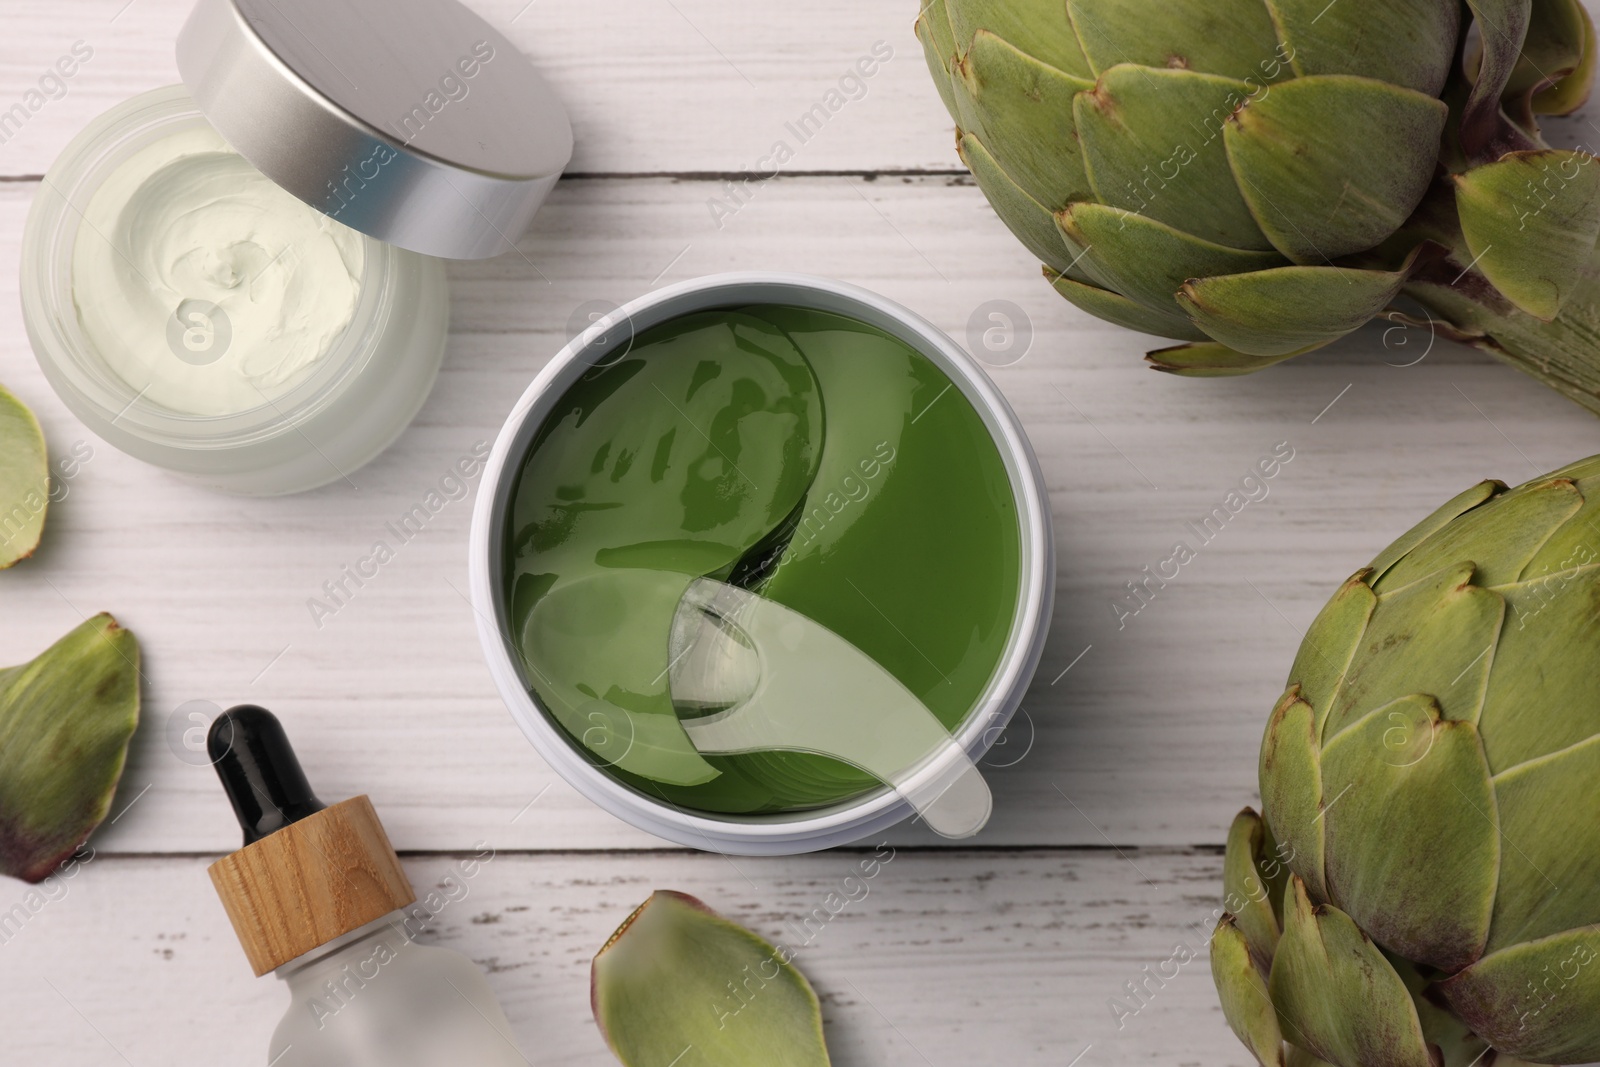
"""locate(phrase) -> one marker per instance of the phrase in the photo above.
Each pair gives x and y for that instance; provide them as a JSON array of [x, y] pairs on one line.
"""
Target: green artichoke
[[1261, 177], [1425, 884]]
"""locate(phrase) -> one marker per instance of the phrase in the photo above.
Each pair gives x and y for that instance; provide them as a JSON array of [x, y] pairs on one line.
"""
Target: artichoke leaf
[[1571, 92], [24, 481], [1243, 991], [1410, 43], [1530, 220], [1333, 164], [1535, 1001], [1547, 871], [1208, 359], [1037, 27], [1029, 220], [65, 722], [1153, 143], [1552, 50], [1021, 109], [1456, 506], [1486, 133], [1252, 876], [1435, 637], [1231, 38], [1337, 996], [1505, 533], [1330, 644], [1291, 788], [938, 48], [676, 976], [1413, 838], [1148, 261], [1280, 311], [1118, 309]]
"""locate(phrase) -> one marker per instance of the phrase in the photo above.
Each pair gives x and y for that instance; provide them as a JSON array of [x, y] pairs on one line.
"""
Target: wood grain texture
[[948, 960], [1149, 738]]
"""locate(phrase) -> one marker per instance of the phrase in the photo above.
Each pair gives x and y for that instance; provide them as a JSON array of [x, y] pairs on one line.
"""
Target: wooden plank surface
[[948, 960]]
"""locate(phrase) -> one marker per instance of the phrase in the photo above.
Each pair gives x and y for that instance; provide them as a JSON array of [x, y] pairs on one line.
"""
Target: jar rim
[[72, 361]]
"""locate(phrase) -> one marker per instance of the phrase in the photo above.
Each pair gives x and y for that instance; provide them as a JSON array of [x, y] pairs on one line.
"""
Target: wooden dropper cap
[[307, 873]]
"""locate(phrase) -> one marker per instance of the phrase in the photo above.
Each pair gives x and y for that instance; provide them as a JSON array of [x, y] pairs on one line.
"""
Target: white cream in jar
[[205, 287]]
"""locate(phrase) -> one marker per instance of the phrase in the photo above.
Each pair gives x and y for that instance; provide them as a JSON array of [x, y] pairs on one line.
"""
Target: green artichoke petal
[[1029, 220], [1457, 1045], [1410, 43], [1330, 644], [1413, 840], [678, 976], [1333, 164], [1037, 27], [1247, 890], [1153, 143], [1485, 131], [1536, 1001], [1299, 1057], [1552, 49], [1291, 788], [1435, 637], [1457, 505], [1530, 220], [938, 48], [1232, 38], [65, 722], [1021, 110], [1208, 359], [24, 481], [1287, 309], [1570, 93], [1118, 309], [1503, 534], [1547, 875], [1148, 261], [1243, 992], [1542, 695], [1336, 994], [1577, 542]]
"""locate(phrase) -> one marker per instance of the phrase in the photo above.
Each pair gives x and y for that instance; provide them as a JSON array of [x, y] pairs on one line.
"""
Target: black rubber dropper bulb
[[259, 771]]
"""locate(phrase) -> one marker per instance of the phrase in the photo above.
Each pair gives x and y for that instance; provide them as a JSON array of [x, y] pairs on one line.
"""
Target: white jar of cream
[[239, 280]]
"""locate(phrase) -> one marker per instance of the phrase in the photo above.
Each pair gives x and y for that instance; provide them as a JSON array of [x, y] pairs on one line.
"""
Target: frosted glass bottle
[[318, 897], [377, 998]]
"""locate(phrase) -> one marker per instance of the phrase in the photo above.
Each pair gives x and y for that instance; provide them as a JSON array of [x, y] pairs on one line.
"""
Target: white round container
[[347, 409], [782, 833]]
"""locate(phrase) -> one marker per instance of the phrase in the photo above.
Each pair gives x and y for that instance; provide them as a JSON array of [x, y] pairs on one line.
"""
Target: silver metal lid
[[413, 121]]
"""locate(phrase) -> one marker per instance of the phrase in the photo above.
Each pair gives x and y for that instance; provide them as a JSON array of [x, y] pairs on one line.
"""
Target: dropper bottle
[[317, 896]]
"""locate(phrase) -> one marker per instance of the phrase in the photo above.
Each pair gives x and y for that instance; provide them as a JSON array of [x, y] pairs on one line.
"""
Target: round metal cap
[[413, 121]]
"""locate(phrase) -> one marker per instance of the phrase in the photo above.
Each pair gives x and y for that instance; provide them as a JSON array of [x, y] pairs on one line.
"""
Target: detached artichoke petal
[[1408, 42], [65, 722], [1530, 220], [1118, 309], [1333, 164], [1208, 359], [1413, 838], [1535, 1001], [1336, 994], [678, 976], [1286, 309], [24, 481], [1243, 992]]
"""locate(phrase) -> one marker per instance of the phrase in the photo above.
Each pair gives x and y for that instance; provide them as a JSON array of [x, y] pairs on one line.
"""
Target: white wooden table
[[1113, 790]]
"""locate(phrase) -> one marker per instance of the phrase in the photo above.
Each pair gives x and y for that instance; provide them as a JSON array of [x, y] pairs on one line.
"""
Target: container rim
[[780, 833]]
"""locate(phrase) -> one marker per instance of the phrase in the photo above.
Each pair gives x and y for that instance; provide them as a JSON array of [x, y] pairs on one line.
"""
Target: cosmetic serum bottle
[[317, 897]]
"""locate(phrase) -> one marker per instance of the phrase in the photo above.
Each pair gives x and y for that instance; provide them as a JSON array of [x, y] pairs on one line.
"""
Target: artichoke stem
[[1563, 353]]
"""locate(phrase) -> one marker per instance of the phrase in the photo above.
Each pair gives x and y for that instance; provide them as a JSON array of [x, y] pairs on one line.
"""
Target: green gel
[[802, 455]]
